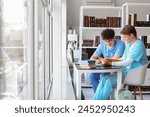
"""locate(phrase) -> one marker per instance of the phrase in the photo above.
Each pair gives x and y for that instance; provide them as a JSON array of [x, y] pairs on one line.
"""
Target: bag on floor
[[124, 94]]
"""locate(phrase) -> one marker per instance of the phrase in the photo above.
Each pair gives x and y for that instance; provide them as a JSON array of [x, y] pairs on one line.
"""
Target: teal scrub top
[[136, 53]]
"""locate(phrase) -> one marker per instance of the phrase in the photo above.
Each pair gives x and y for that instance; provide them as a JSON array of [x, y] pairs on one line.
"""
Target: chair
[[136, 78], [70, 57]]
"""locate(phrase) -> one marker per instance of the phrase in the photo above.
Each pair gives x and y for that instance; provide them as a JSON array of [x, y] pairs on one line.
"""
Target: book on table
[[113, 60], [87, 64]]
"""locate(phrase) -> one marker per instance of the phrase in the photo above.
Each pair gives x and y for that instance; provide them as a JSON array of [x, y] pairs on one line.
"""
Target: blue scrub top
[[135, 52], [117, 49]]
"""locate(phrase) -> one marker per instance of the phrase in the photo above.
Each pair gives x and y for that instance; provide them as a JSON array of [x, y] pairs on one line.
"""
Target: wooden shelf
[[100, 28]]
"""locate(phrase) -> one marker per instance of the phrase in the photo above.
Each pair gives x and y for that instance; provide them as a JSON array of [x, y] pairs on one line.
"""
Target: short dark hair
[[129, 29], [108, 34]]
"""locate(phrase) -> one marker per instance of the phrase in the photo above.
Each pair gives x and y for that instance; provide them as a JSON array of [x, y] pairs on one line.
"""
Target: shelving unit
[[135, 8], [88, 33]]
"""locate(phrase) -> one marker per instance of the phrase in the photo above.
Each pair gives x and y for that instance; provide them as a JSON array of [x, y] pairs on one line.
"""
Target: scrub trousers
[[94, 79], [106, 85]]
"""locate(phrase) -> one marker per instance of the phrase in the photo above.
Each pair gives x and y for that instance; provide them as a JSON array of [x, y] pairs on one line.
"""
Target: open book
[[113, 60]]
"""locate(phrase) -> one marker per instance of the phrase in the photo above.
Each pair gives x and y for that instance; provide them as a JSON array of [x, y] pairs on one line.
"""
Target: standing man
[[109, 48]]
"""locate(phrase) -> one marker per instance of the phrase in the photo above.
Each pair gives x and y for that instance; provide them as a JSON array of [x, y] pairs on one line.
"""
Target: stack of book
[[87, 64]]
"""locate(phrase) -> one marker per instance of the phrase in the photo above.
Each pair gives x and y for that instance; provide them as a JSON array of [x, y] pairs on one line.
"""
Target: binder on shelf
[[96, 41], [132, 19], [89, 21]]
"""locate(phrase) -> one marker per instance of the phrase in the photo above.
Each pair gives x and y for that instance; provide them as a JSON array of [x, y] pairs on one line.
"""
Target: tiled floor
[[88, 93]]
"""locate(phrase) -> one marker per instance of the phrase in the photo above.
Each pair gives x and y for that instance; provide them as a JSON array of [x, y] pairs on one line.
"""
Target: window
[[14, 55]]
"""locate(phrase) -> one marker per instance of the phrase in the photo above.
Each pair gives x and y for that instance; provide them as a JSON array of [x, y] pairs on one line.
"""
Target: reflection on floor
[[88, 93]]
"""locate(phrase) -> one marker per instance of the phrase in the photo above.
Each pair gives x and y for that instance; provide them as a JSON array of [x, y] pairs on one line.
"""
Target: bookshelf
[[141, 15], [143, 29], [89, 31]]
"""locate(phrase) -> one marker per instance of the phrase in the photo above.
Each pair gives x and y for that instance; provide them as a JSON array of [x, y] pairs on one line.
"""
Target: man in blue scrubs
[[109, 48], [134, 56]]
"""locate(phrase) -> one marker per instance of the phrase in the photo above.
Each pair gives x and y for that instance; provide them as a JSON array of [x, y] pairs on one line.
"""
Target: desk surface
[[99, 67]]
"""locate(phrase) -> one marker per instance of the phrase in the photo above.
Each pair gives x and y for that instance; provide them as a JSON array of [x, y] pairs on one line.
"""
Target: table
[[78, 71]]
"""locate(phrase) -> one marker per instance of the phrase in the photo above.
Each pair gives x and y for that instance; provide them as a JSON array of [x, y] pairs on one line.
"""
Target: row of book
[[133, 21], [91, 21], [95, 42], [87, 64]]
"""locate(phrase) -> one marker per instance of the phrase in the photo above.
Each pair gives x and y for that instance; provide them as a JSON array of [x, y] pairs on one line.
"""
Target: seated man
[[134, 56], [110, 48]]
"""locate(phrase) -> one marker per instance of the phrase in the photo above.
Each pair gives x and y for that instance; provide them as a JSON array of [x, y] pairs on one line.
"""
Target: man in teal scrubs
[[134, 56], [108, 48]]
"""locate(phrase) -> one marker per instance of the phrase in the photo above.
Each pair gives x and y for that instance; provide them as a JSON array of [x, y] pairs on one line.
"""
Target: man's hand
[[97, 61], [106, 62]]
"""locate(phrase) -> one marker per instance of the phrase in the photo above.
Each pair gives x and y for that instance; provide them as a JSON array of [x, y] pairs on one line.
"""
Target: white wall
[[73, 9], [120, 2]]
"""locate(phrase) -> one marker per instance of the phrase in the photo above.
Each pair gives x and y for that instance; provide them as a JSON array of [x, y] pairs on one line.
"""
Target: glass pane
[[41, 49], [13, 45]]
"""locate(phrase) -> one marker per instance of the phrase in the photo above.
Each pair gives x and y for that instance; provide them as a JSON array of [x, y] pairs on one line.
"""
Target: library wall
[[73, 9]]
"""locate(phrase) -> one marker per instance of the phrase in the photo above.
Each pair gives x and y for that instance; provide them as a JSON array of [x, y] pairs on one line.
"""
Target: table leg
[[78, 85], [74, 79], [119, 81]]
